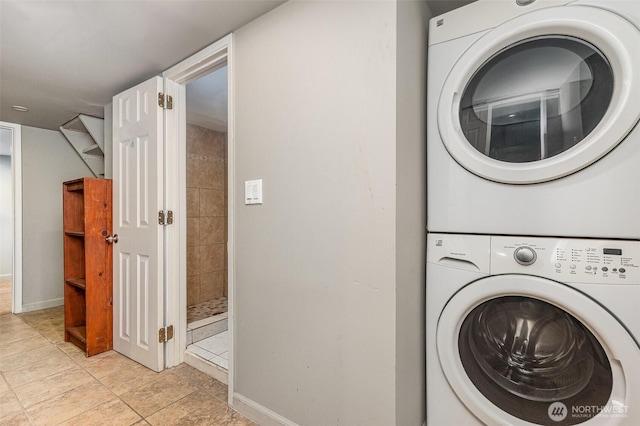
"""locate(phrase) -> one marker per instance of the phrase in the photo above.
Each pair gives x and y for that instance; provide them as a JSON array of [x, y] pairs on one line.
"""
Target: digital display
[[616, 252]]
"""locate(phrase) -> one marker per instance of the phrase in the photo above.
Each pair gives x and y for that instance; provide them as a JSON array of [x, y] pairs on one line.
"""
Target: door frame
[[207, 60], [16, 186]]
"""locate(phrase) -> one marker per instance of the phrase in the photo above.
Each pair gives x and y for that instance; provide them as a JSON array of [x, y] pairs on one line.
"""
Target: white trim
[[6, 276], [59, 301], [16, 176], [207, 60], [231, 208], [259, 413]]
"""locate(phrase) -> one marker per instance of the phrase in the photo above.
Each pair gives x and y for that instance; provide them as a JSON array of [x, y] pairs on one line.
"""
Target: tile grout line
[[44, 323], [11, 387], [69, 390]]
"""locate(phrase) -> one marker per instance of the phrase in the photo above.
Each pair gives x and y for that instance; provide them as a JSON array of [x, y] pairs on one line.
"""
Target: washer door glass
[[536, 99], [524, 354]]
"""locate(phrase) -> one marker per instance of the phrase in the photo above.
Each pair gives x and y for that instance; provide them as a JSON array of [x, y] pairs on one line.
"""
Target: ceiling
[[60, 58]]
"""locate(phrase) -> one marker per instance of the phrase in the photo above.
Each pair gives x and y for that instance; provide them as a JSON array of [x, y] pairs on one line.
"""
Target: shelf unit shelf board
[[80, 283]]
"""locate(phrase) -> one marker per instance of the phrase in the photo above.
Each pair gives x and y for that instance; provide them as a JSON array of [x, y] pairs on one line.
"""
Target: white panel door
[[138, 291]]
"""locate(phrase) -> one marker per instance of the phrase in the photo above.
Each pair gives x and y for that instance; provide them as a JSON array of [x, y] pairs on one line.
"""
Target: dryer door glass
[[536, 99], [524, 354]]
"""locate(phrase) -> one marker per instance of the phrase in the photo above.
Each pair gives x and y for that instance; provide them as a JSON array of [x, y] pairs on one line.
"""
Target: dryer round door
[[543, 95], [520, 349]]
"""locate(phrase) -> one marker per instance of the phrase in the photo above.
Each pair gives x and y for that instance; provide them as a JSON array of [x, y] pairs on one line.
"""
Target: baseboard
[[43, 305], [6, 276], [258, 413]]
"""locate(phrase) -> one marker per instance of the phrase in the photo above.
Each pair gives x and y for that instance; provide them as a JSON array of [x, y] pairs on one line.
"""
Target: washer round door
[[542, 96], [519, 349]]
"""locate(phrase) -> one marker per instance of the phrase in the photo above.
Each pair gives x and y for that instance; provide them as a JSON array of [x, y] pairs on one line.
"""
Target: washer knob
[[525, 255]]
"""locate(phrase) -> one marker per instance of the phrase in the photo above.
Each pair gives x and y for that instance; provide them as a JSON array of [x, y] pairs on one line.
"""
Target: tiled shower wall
[[206, 214]]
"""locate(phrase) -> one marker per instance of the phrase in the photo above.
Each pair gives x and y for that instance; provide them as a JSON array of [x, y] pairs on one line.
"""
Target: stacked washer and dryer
[[533, 250]]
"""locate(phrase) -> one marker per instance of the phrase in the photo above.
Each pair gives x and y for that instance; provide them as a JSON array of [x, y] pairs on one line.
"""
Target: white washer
[[527, 330], [532, 113]]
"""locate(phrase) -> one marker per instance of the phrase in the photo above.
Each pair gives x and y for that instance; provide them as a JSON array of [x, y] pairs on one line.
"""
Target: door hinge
[[165, 218], [165, 334], [165, 101]]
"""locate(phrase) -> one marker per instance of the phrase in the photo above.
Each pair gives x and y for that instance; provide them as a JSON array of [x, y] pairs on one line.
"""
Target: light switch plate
[[253, 191]]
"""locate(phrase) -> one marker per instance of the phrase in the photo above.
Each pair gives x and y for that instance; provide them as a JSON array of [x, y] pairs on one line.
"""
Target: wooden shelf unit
[[88, 270]]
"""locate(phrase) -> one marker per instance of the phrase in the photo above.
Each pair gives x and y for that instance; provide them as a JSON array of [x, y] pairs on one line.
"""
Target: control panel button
[[605, 269], [572, 266], [558, 265], [525, 255], [622, 270], [588, 267], [595, 268]]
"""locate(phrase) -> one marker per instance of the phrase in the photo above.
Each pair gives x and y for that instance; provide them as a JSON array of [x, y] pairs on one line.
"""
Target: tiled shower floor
[[206, 309]]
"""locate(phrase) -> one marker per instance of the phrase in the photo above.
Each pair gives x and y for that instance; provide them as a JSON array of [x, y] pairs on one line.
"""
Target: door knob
[[111, 239]]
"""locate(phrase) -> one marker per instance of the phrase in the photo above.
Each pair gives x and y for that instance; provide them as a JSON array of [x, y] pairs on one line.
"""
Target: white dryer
[[532, 119], [532, 331]]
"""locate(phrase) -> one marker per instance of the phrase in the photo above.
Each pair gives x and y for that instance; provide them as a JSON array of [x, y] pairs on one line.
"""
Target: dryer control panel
[[568, 259]]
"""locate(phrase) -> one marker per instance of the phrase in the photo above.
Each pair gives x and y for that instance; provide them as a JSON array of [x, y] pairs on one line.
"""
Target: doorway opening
[[176, 79], [10, 219], [207, 222]]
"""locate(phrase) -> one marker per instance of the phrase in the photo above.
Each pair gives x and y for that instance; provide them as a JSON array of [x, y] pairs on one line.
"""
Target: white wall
[[329, 288], [6, 218], [47, 161]]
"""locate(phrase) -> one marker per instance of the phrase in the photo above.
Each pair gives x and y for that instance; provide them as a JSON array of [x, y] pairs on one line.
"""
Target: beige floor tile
[[3, 384], [5, 307], [16, 419], [9, 405], [5, 297], [23, 346], [51, 386], [58, 384], [53, 334], [113, 413], [10, 319], [22, 359], [198, 408], [158, 394], [131, 378], [202, 381], [70, 349], [105, 363], [17, 332], [39, 370], [70, 404]]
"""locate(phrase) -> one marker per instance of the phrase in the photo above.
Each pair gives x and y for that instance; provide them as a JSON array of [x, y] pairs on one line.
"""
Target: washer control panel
[[568, 259]]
